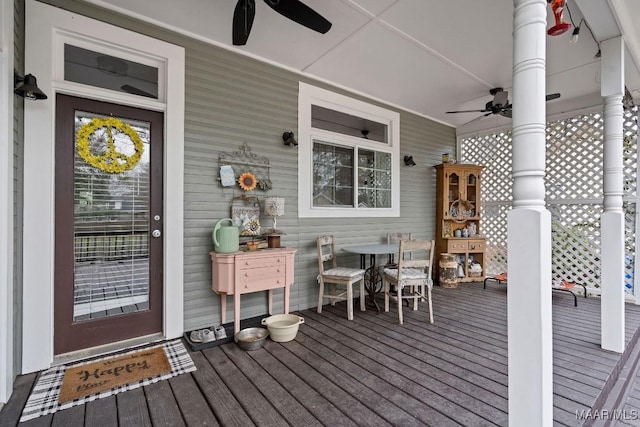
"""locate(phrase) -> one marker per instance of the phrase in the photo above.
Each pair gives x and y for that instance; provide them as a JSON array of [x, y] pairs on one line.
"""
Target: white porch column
[[529, 228], [612, 221]]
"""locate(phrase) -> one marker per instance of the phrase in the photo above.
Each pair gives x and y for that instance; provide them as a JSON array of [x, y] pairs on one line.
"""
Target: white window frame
[[309, 95], [47, 28]]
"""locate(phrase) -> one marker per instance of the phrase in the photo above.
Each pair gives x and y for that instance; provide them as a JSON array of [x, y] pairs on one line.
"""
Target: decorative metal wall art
[[246, 165]]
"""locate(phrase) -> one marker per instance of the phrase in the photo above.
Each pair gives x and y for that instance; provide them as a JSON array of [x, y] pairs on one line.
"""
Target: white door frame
[[6, 201], [47, 28]]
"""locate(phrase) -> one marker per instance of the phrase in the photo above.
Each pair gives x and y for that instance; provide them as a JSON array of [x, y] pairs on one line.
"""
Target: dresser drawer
[[262, 278], [476, 245], [259, 262], [457, 246]]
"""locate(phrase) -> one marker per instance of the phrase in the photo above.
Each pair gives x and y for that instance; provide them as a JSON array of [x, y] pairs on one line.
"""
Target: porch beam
[[612, 220], [529, 228]]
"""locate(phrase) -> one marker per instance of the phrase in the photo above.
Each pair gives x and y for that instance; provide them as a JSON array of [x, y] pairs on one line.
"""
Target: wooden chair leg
[[430, 305], [362, 296], [399, 303], [333, 292], [320, 296], [350, 301], [386, 293], [416, 298]]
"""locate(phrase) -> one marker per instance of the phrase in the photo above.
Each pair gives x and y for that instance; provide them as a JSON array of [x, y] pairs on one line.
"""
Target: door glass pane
[[108, 72], [111, 223]]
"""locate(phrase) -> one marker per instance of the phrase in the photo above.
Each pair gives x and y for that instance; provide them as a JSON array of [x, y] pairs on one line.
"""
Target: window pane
[[108, 72], [332, 175], [346, 124], [383, 198], [374, 179], [383, 179]]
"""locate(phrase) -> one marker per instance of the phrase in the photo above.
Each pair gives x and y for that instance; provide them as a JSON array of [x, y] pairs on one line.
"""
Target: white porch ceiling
[[425, 56]]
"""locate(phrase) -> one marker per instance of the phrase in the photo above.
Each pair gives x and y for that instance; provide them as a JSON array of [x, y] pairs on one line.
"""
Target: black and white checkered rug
[[44, 396]]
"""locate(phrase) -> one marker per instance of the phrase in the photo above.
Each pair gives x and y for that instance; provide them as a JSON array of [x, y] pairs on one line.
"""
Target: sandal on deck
[[199, 335], [220, 332]]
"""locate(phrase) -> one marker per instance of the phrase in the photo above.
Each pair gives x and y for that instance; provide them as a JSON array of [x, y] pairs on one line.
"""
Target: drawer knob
[[246, 274], [246, 263], [278, 281]]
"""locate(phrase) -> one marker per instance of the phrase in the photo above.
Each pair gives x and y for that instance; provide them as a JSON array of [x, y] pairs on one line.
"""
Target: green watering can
[[226, 238]]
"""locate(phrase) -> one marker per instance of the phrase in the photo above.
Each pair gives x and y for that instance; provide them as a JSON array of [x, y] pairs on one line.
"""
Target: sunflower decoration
[[247, 181], [251, 227]]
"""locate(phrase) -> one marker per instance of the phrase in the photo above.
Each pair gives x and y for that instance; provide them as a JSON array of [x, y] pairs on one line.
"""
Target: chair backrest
[[326, 252], [396, 237], [422, 255]]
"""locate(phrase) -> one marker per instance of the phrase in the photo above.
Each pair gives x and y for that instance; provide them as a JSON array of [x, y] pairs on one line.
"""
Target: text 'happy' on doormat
[[65, 386]]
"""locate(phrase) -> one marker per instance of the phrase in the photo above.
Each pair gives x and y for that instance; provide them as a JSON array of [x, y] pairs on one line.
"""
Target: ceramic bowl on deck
[[283, 327]]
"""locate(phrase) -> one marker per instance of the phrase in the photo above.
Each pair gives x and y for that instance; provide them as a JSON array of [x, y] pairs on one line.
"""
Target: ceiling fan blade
[[135, 91], [243, 16], [476, 119], [466, 111], [300, 13], [552, 96]]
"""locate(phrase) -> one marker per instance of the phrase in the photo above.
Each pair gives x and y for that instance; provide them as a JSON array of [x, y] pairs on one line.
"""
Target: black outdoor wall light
[[289, 139], [408, 160], [29, 88]]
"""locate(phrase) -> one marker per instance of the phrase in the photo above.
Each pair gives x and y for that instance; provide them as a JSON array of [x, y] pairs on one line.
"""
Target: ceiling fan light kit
[[294, 10]]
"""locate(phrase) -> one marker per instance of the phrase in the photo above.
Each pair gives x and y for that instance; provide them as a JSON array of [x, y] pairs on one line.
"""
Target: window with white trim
[[348, 156]]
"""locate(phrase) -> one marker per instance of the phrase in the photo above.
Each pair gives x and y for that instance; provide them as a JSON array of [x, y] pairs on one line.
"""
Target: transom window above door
[[348, 156], [109, 72]]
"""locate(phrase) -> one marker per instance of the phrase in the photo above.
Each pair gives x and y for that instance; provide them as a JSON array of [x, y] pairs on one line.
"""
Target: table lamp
[[274, 207]]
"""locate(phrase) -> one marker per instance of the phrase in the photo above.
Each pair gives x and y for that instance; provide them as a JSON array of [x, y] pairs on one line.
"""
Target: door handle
[[156, 233]]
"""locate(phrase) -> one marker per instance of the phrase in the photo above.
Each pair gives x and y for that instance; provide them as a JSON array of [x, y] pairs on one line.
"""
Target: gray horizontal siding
[[231, 99]]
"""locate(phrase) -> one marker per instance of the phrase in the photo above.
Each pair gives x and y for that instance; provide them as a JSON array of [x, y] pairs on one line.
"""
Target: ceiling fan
[[498, 105], [293, 9]]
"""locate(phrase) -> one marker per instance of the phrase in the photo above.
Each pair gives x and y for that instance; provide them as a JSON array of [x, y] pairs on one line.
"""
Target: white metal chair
[[413, 276], [335, 277]]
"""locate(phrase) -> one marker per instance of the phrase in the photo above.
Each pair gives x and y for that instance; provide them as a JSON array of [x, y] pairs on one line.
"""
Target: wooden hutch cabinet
[[458, 218]]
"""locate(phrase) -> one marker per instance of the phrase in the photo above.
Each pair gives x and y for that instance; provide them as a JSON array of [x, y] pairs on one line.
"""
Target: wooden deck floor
[[369, 372]]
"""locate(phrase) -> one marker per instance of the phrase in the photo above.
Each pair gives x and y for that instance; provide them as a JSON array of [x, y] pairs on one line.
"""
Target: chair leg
[[416, 298], [362, 296], [350, 301], [584, 287], [333, 292], [430, 305], [399, 303], [386, 293], [320, 296]]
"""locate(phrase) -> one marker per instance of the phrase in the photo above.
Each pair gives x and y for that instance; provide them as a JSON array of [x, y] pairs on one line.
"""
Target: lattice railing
[[574, 170]]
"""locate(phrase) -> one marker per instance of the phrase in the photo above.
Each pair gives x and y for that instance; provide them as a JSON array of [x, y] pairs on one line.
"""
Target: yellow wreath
[[111, 161]]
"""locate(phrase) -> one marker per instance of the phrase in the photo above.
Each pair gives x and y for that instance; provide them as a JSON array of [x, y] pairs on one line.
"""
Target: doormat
[[65, 386]]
